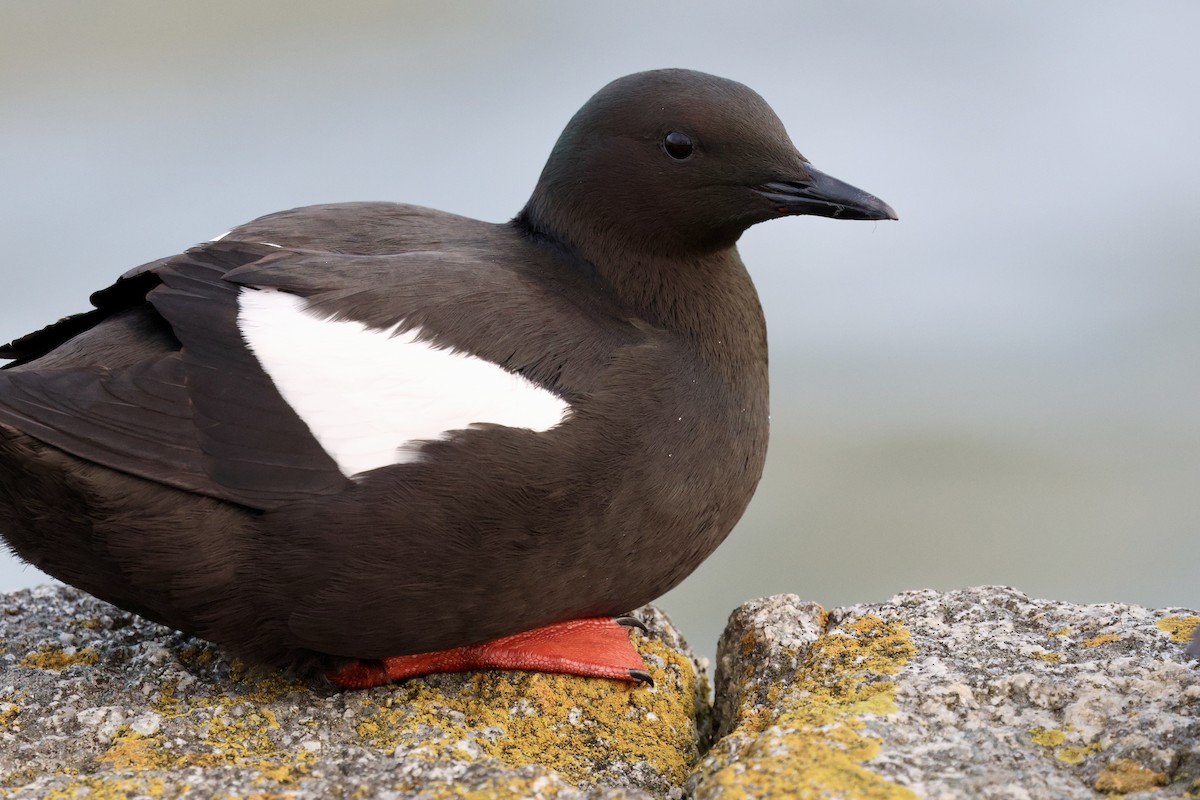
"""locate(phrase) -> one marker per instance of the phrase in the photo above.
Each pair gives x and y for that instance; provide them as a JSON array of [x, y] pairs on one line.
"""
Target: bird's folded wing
[[505, 344], [206, 419]]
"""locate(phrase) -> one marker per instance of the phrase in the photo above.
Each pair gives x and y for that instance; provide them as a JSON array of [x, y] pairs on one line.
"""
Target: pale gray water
[[1002, 387]]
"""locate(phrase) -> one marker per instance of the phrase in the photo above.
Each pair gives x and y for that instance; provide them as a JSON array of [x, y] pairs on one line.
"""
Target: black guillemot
[[379, 440]]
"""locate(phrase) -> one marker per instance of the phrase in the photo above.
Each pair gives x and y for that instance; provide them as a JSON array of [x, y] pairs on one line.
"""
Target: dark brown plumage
[[148, 456]]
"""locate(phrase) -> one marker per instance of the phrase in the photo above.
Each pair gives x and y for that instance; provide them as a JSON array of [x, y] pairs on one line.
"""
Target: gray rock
[[95, 702], [981, 693]]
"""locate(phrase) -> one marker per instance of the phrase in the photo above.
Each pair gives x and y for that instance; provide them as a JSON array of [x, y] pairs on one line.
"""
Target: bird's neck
[[710, 300], [706, 297]]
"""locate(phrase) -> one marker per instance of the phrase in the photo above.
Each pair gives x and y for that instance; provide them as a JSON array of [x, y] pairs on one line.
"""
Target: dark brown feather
[[146, 457]]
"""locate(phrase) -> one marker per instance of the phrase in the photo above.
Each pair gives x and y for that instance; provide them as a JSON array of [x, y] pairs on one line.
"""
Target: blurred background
[[1002, 387]]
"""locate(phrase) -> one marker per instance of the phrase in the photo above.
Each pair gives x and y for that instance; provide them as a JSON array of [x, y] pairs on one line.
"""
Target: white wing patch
[[226, 233], [371, 396]]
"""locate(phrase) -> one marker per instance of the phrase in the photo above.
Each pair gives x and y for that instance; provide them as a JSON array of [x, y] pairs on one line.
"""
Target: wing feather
[[205, 418]]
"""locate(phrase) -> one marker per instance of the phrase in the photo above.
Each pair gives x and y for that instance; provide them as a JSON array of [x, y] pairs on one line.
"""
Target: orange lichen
[[130, 750], [1123, 776]]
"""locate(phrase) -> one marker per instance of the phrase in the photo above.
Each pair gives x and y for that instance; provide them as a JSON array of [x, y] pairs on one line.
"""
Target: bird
[[371, 440]]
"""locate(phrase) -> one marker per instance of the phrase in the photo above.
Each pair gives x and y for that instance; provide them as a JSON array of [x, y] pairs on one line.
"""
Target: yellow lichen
[[879, 703], [1179, 628], [18, 777], [234, 730], [1124, 775], [755, 720], [285, 773], [1076, 755], [561, 722], [196, 656], [10, 710], [1103, 638], [1047, 737], [507, 787], [1059, 632], [816, 747], [571, 725], [58, 659], [166, 703], [101, 787], [1046, 656], [1054, 739]]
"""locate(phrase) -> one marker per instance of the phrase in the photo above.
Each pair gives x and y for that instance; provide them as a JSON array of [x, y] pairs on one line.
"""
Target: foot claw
[[641, 675], [630, 621]]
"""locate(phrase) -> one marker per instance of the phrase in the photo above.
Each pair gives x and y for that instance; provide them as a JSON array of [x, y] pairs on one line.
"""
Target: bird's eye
[[678, 145]]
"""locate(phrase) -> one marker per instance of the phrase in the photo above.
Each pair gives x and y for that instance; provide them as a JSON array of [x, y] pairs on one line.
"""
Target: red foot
[[597, 647]]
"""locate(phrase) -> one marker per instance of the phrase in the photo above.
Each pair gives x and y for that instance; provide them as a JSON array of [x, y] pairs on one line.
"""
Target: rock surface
[[98, 703], [982, 693], [979, 693]]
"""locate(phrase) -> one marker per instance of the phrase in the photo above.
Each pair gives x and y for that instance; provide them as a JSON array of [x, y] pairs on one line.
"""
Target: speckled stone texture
[[98, 703], [981, 693]]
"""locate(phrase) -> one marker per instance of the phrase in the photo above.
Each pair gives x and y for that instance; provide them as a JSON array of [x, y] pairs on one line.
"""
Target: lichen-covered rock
[[979, 693], [982, 693], [98, 703]]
